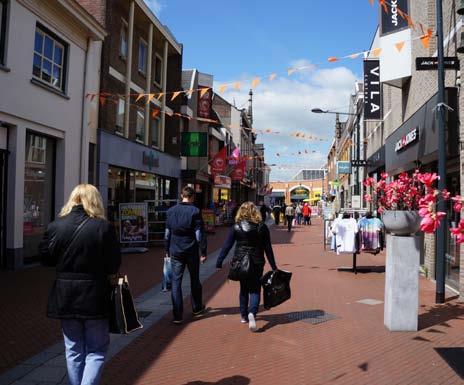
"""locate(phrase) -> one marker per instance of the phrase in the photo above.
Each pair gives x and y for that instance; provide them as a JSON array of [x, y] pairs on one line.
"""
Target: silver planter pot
[[400, 222]]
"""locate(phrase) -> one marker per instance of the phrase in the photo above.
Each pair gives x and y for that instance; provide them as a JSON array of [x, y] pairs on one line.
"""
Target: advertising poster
[[393, 16], [209, 220], [372, 90], [204, 104], [133, 222], [194, 144]]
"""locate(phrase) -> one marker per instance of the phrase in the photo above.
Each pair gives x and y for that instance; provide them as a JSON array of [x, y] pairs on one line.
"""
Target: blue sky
[[235, 40]]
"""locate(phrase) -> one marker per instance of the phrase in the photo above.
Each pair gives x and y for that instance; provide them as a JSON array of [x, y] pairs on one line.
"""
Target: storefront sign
[[406, 140], [359, 163], [343, 167], [150, 160], [219, 162], [222, 181], [372, 95], [391, 21], [133, 222], [356, 202], [204, 104], [238, 173], [209, 219], [194, 144], [431, 63]]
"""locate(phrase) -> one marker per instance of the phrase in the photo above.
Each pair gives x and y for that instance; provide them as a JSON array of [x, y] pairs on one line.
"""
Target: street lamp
[[358, 144]]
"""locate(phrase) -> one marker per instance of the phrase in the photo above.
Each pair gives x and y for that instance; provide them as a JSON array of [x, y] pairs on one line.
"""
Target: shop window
[[140, 129], [158, 78], [143, 48], [49, 63], [155, 132], [38, 191], [3, 14], [123, 41], [120, 112]]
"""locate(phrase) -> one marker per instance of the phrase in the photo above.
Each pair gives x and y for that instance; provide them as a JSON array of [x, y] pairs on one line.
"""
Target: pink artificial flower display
[[431, 222], [427, 178], [457, 207], [445, 194], [367, 198], [459, 232]]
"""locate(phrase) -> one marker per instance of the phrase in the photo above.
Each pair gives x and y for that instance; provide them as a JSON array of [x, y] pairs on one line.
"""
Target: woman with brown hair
[[82, 245], [252, 238]]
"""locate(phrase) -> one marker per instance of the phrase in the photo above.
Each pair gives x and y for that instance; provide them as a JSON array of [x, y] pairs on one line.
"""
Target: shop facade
[[129, 172]]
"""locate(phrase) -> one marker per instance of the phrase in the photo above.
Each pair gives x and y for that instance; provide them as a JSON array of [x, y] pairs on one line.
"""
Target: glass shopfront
[[39, 184]]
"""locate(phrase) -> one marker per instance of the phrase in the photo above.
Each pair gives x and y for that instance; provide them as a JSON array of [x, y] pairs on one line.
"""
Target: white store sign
[[406, 140]]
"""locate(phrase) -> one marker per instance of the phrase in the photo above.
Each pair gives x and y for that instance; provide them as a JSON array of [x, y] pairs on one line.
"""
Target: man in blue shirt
[[186, 245]]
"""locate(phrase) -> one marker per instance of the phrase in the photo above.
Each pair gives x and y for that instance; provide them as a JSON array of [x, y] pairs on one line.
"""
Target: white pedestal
[[402, 283]]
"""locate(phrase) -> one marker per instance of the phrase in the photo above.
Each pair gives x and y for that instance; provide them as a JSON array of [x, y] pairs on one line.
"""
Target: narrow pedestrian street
[[330, 332]]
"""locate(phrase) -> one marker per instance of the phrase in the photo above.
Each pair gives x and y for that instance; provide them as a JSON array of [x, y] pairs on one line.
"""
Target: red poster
[[219, 162], [238, 172], [204, 104]]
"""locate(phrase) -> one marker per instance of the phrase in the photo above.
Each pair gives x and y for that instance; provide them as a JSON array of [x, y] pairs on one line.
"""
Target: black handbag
[[241, 267], [276, 288], [124, 318]]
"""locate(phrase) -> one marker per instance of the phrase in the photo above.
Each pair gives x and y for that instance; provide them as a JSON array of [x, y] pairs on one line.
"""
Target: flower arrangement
[[414, 192]]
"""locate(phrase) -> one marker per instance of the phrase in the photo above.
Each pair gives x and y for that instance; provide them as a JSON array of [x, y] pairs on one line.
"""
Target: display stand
[[355, 268]]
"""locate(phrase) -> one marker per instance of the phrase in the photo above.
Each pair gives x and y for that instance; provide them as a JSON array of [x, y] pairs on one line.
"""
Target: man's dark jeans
[[178, 267], [250, 293]]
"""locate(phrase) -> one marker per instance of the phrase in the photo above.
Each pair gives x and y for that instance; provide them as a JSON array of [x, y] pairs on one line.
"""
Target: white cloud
[[155, 5], [285, 105]]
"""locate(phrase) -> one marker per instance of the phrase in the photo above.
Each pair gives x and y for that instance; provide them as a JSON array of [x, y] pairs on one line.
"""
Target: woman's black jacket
[[81, 289], [252, 239]]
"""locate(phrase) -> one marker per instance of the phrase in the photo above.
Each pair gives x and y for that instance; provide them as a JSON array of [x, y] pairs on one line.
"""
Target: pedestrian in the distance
[[83, 246], [284, 209], [276, 211], [263, 210], [299, 213], [307, 214], [290, 215], [185, 242], [252, 237]]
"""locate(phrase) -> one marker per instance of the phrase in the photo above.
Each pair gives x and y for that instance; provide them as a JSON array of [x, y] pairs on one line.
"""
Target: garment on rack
[[370, 234], [333, 243], [346, 230]]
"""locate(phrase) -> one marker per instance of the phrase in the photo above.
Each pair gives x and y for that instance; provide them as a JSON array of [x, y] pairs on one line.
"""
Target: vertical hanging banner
[[372, 90], [392, 21], [219, 162], [204, 103], [235, 157], [238, 173]]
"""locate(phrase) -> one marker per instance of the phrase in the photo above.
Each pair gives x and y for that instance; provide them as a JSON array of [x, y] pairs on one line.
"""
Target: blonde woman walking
[[82, 245], [253, 238]]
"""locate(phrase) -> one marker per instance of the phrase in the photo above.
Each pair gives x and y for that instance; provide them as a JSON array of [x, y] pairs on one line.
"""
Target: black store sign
[[372, 95], [391, 21], [431, 63]]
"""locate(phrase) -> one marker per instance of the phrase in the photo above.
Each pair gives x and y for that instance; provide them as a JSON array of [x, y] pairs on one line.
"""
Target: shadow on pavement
[[439, 315], [234, 380]]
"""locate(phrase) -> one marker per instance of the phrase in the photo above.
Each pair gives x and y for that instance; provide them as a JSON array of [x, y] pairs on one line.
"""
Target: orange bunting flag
[[150, 98], [139, 97], [155, 113], [272, 77], [410, 22], [291, 71], [189, 92], [399, 46], [376, 52], [222, 88], [425, 40], [160, 95], [203, 91], [332, 59], [430, 32], [175, 95], [236, 85], [255, 82]]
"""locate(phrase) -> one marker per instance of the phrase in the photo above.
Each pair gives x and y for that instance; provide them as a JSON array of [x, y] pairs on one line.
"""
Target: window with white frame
[[143, 49], [155, 131], [120, 112], [3, 14], [37, 148], [158, 70], [123, 40], [140, 128], [49, 64]]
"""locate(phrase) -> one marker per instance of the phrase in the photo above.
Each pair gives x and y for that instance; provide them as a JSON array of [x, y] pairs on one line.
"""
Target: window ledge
[[4, 68], [119, 133], [49, 88], [139, 141]]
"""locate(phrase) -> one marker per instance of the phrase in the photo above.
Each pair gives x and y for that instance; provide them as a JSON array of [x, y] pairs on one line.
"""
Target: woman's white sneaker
[[252, 322]]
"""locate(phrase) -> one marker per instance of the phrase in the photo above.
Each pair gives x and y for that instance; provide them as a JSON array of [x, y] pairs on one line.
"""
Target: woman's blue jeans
[[86, 343], [250, 293]]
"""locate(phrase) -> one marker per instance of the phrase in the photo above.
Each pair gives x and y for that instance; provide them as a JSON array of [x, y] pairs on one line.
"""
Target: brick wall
[[96, 8]]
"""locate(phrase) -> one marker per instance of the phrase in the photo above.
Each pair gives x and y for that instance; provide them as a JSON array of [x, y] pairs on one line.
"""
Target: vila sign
[[406, 140], [391, 21], [372, 96]]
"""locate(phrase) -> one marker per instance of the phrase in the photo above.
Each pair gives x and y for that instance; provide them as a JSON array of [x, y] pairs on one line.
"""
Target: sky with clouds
[[236, 41]]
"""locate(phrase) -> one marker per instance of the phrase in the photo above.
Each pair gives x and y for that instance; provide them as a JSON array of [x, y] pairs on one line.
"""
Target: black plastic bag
[[276, 288], [123, 316], [241, 267]]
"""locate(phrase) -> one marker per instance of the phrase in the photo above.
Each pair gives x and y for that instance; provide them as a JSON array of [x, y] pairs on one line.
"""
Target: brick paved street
[[24, 329], [351, 347]]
